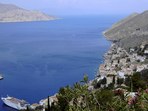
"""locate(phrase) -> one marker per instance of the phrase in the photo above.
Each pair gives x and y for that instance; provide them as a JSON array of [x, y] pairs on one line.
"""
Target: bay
[[37, 58]]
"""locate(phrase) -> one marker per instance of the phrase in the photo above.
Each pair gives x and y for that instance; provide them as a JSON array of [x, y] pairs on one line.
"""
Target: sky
[[82, 7]]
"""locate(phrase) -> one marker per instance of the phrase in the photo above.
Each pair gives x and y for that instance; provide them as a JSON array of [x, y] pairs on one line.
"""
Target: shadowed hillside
[[133, 28]]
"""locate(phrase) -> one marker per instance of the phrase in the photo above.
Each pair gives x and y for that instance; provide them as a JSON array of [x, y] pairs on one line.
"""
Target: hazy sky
[[83, 7]]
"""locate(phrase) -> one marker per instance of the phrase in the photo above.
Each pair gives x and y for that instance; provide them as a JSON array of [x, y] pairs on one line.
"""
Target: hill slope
[[12, 13], [131, 31]]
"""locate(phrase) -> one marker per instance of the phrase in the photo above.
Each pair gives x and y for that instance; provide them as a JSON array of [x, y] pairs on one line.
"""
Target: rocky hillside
[[131, 31], [12, 13]]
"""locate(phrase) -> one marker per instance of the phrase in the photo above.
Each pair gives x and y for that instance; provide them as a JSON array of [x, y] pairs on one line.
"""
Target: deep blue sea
[[37, 58]]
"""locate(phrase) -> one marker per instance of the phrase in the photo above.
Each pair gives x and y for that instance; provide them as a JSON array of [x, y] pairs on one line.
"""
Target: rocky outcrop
[[12, 13]]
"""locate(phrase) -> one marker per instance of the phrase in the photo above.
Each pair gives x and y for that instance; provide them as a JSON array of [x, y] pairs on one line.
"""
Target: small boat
[[1, 77], [15, 103]]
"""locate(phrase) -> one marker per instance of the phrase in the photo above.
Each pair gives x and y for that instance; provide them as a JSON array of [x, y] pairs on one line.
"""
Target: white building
[[140, 68], [146, 51], [121, 74]]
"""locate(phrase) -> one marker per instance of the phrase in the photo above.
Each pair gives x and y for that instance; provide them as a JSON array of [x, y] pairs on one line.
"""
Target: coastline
[[120, 63], [53, 98], [30, 21], [102, 75], [90, 56], [109, 69]]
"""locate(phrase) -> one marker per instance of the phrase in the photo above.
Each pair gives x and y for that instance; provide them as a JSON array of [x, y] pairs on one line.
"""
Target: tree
[[64, 97], [128, 81], [104, 96], [144, 75], [79, 98], [104, 80], [120, 81], [85, 78], [114, 79], [138, 82]]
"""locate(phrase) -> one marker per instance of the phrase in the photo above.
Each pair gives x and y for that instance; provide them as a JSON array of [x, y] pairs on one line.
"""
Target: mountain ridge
[[129, 32]]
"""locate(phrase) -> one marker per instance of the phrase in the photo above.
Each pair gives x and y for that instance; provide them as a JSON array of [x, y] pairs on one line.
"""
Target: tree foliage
[[79, 98]]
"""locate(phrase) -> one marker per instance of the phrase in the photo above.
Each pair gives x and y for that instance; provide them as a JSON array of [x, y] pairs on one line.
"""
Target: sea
[[38, 58]]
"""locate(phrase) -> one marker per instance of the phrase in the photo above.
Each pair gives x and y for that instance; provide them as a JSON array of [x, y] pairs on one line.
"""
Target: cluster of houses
[[121, 63]]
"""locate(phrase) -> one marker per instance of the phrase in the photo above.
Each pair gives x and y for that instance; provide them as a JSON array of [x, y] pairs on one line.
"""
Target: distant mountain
[[131, 31], [13, 13]]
